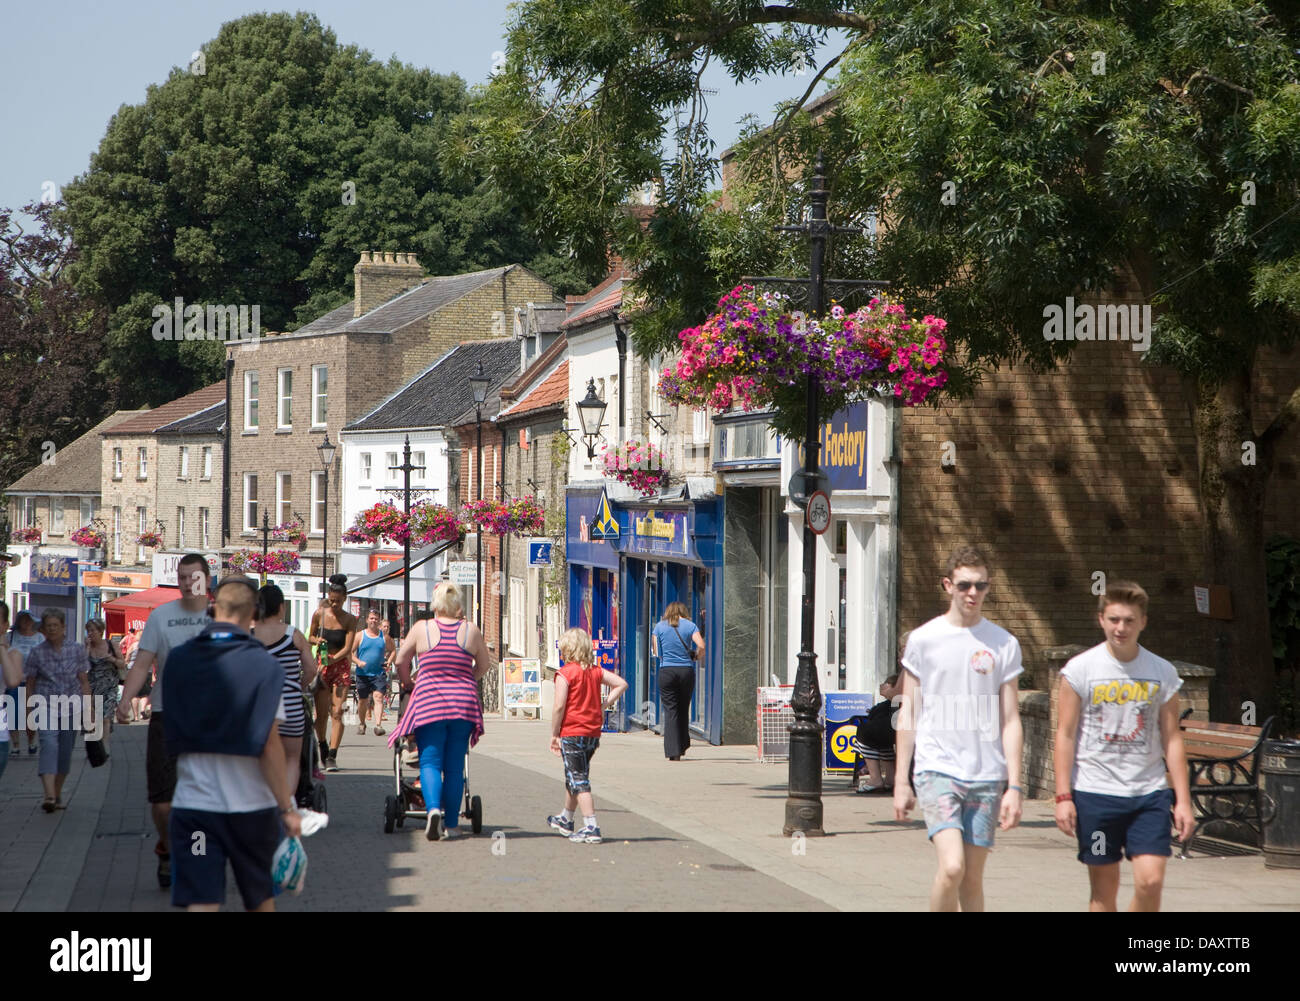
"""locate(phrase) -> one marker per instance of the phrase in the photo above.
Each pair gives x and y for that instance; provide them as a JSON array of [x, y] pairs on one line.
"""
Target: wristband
[[1017, 789], [1065, 798]]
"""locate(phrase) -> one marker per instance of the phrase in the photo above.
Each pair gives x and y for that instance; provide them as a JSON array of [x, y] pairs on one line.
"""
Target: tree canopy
[[257, 174]]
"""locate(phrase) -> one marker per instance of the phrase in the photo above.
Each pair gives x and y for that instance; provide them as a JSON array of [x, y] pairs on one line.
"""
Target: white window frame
[[244, 506], [142, 453], [203, 527], [140, 515], [319, 398], [700, 429], [117, 463], [28, 513], [117, 534], [207, 462], [281, 501], [87, 510], [184, 473], [282, 398], [180, 528], [252, 393], [518, 601], [317, 502], [392, 466], [417, 460], [365, 467], [57, 526]]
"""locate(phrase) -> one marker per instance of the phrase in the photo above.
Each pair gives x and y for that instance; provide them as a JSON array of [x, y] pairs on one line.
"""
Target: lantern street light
[[591, 412], [326, 450], [479, 385]]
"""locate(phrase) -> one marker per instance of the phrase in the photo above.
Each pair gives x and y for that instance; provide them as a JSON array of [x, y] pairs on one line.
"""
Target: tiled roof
[[598, 304], [411, 305], [76, 466], [549, 316], [208, 421], [552, 390], [169, 413], [442, 394]]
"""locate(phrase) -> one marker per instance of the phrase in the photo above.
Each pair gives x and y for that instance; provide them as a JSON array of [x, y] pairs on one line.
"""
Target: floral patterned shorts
[[970, 807]]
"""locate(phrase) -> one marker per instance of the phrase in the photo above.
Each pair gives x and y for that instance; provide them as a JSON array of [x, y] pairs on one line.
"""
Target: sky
[[70, 66]]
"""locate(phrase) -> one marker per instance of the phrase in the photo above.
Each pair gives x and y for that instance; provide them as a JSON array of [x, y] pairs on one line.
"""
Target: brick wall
[[193, 492], [378, 277], [129, 493]]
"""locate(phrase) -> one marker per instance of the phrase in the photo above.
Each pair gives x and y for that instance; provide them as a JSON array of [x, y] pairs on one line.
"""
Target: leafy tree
[[51, 340], [256, 176], [1169, 162]]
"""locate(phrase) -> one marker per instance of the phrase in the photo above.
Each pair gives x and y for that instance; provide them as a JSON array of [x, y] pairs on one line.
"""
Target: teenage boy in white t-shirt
[[961, 714], [1111, 789]]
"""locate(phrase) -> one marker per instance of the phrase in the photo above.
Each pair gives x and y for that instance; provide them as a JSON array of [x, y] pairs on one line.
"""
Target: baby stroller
[[310, 792], [407, 800]]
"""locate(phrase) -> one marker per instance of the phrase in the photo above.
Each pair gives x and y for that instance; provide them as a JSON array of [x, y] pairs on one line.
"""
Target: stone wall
[[742, 588]]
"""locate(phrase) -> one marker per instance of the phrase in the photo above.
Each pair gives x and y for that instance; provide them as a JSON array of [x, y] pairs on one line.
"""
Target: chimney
[[380, 276]]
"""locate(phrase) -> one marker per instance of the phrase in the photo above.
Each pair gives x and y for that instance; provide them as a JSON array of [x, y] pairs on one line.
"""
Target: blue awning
[[63, 590]]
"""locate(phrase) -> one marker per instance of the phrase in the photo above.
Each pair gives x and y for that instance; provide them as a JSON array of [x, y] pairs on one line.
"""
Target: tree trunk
[[1234, 471]]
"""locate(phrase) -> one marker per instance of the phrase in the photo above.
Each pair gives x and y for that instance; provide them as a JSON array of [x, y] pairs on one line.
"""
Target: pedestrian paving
[[700, 834]]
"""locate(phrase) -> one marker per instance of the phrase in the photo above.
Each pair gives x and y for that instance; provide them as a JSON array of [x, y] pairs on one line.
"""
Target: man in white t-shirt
[[960, 713], [1117, 729], [232, 801]]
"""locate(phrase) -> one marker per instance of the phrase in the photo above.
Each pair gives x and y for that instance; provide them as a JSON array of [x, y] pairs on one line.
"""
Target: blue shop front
[[628, 560]]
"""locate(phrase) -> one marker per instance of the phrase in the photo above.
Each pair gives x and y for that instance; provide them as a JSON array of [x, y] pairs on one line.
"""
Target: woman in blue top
[[678, 645]]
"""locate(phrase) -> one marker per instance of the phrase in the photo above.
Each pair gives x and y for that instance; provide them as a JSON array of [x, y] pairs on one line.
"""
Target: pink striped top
[[444, 687]]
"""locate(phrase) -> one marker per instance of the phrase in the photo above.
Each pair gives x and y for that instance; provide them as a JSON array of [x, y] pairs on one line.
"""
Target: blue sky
[[70, 66]]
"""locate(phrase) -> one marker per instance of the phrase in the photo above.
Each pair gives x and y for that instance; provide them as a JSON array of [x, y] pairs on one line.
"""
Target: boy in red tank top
[[575, 729]]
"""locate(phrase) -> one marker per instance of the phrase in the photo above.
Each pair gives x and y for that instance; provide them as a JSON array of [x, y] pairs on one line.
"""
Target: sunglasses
[[965, 585]]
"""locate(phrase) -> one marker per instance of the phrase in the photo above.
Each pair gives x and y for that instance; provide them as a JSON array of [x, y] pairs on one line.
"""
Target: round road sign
[[818, 512]]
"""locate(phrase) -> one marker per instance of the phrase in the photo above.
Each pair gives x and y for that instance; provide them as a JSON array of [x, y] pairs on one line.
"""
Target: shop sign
[[657, 532], [47, 569], [539, 552], [127, 579], [843, 452], [165, 566], [841, 707], [523, 683], [377, 558], [462, 573]]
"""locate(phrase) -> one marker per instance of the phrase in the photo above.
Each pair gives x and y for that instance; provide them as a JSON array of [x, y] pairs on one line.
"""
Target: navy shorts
[[368, 684], [246, 840], [577, 753], [1110, 827]]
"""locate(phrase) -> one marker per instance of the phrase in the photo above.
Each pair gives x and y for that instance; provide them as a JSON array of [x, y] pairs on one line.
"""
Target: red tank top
[[582, 712]]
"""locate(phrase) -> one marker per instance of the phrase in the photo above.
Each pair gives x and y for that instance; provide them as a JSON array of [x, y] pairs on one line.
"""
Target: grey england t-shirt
[[168, 627]]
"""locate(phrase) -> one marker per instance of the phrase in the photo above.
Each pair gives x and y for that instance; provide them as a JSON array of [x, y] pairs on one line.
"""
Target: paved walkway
[[703, 834]]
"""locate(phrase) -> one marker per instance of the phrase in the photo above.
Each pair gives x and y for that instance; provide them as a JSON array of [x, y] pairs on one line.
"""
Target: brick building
[[336, 369]]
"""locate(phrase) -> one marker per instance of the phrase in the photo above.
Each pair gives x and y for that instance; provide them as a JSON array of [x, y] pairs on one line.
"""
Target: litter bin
[[1279, 803]]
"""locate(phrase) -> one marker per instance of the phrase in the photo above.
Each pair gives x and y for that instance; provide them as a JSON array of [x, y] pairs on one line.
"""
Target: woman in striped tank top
[[289, 646], [443, 712]]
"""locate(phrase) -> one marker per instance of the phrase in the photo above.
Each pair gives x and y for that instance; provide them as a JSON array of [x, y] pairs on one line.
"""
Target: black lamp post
[[479, 384], [326, 450], [803, 805], [591, 412], [266, 540], [407, 469]]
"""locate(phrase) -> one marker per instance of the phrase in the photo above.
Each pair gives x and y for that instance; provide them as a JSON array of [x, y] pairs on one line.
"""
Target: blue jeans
[[443, 746]]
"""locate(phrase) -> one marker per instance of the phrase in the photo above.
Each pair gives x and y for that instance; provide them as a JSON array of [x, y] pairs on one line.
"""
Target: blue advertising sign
[[658, 532], [47, 569], [843, 452], [539, 553], [841, 707]]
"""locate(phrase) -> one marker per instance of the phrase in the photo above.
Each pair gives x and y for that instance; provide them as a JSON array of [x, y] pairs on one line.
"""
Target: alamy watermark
[[1086, 322], [55, 712], [179, 322]]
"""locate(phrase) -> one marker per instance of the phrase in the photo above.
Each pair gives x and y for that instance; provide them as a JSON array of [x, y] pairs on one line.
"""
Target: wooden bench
[[1223, 774]]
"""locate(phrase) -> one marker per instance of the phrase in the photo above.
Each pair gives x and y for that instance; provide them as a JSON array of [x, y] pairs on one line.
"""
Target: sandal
[[48, 805], [380, 731], [60, 805], [361, 730]]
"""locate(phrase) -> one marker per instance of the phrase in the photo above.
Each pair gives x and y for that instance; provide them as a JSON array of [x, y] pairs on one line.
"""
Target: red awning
[[131, 610]]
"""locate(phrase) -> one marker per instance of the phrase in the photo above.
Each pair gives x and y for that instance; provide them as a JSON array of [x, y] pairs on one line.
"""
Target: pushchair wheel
[[390, 814], [401, 810], [476, 814]]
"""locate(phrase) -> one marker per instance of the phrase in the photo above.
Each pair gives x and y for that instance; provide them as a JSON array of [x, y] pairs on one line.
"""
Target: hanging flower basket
[[756, 353], [251, 561], [292, 531], [430, 523], [89, 537], [486, 515], [31, 536], [379, 521], [525, 516], [638, 464], [150, 539]]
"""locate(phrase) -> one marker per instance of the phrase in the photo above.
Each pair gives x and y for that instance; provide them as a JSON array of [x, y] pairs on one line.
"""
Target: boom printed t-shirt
[[1118, 751], [168, 627], [961, 673]]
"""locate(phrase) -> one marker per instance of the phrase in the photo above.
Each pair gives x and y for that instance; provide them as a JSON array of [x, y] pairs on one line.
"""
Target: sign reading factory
[[657, 532]]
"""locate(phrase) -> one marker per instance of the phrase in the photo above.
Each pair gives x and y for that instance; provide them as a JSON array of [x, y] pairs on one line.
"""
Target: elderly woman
[[443, 712], [56, 672], [107, 669]]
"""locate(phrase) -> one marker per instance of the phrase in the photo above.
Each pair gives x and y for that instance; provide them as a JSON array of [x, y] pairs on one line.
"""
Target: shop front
[[53, 582], [592, 556]]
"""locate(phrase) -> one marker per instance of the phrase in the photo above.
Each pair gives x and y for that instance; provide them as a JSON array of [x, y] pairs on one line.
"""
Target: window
[[318, 502], [143, 453], [283, 497], [701, 429], [250, 401], [207, 462], [56, 515], [117, 463], [117, 534], [365, 466], [319, 395], [517, 615], [392, 467], [185, 463], [417, 460], [29, 512], [250, 502], [139, 549], [284, 413], [87, 510], [203, 527], [180, 528]]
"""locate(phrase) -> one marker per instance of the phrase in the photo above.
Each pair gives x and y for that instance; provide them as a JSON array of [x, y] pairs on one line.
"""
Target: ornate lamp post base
[[803, 804]]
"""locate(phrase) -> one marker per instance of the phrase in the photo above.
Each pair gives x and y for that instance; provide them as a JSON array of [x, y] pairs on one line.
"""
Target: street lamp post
[[266, 540], [326, 450], [479, 384], [407, 469], [803, 805], [591, 412]]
